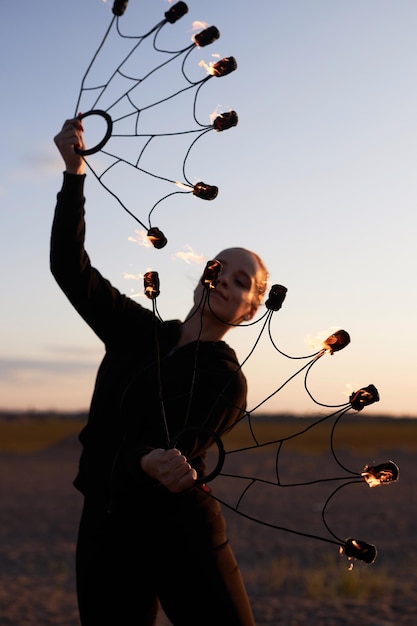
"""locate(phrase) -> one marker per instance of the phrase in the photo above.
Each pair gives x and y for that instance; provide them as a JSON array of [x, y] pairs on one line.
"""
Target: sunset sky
[[318, 177]]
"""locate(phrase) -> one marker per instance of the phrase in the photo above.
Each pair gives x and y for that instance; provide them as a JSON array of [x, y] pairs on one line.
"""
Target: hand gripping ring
[[221, 454], [106, 137]]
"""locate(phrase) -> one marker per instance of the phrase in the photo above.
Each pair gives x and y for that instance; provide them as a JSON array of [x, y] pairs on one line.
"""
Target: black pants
[[178, 555]]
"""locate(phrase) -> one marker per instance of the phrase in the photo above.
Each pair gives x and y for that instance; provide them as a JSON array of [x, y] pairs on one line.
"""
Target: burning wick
[[176, 12], [361, 550], [224, 66], [381, 474], [363, 397], [224, 121], [151, 285], [206, 36], [157, 238], [211, 274], [119, 7], [276, 297], [337, 341], [206, 192]]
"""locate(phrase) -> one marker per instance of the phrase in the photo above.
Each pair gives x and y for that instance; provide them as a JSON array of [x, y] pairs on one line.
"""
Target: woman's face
[[235, 297]]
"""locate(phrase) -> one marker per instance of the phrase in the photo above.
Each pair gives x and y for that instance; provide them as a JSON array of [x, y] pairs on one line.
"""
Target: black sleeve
[[96, 300]]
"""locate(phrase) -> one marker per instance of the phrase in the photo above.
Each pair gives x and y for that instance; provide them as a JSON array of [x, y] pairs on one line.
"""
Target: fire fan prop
[[373, 475], [125, 110]]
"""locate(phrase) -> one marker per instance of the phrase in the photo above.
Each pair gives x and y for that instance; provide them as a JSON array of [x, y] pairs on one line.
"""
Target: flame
[[316, 342], [190, 256], [141, 238], [137, 277], [197, 25], [349, 558], [133, 292], [184, 186], [356, 549], [336, 341], [381, 474], [128, 276], [151, 284], [349, 389], [211, 274], [210, 69], [217, 111]]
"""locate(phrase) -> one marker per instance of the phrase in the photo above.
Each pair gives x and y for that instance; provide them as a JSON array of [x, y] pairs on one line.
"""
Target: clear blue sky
[[319, 177]]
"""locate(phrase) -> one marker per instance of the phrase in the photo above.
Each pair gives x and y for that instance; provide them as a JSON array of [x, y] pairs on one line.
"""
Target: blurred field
[[292, 580], [306, 435], [24, 433]]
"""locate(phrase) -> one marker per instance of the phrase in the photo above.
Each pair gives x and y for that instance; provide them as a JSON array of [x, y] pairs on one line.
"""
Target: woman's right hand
[[170, 468], [70, 137]]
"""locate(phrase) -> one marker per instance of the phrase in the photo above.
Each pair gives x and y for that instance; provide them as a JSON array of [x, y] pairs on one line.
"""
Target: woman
[[149, 533]]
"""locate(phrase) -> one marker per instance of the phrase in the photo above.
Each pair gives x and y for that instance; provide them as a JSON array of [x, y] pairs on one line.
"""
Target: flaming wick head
[[176, 12], [206, 37], [157, 238], [337, 341], [119, 7], [363, 397], [211, 274], [361, 550], [224, 121], [381, 474], [224, 66], [276, 297], [151, 285], [205, 192]]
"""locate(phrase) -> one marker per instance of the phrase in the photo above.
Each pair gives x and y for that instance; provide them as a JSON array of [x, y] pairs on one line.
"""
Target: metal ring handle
[[221, 454], [106, 137]]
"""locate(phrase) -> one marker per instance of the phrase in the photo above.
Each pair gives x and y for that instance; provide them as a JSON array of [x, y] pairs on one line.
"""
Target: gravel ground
[[292, 580]]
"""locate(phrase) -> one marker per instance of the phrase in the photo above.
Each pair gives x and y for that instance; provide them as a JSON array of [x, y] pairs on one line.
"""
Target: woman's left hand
[[170, 468], [70, 137]]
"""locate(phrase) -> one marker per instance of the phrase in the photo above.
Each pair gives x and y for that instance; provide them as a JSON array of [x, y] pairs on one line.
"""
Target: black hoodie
[[147, 390]]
